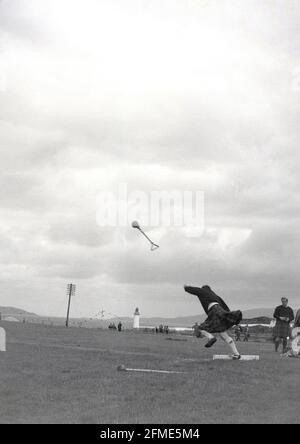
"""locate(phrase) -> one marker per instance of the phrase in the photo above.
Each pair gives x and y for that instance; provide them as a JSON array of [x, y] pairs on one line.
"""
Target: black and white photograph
[[149, 215]]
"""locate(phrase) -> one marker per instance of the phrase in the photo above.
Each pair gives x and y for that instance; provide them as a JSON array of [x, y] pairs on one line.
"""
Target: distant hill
[[258, 312], [256, 315], [16, 312]]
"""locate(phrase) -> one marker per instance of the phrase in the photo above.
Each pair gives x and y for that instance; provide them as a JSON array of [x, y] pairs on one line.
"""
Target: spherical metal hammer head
[[135, 224]]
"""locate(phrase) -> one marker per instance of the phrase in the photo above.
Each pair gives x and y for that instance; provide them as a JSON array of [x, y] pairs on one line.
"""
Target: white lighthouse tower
[[136, 318]]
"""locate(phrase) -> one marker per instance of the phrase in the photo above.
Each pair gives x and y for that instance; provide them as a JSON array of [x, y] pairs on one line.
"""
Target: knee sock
[[277, 343], [225, 336], [284, 345], [206, 334]]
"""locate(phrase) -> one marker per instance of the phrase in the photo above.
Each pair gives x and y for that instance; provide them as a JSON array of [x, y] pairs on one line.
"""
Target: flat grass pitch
[[54, 375]]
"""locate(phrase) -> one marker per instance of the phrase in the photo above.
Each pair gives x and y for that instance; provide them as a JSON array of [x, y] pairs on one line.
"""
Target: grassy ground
[[54, 375]]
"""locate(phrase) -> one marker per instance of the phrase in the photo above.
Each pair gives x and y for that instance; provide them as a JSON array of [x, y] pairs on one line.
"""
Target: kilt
[[282, 329], [220, 320]]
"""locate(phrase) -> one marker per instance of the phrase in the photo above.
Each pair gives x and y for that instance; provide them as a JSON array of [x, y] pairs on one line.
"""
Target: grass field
[[54, 375]]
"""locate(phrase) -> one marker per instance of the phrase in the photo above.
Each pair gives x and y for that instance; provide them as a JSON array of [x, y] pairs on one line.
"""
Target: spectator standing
[[284, 315]]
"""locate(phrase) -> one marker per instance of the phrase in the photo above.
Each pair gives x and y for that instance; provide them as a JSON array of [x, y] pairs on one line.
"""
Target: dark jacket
[[283, 312], [206, 296]]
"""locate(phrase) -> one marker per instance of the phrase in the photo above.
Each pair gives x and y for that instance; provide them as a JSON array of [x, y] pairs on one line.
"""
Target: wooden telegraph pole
[[70, 291]]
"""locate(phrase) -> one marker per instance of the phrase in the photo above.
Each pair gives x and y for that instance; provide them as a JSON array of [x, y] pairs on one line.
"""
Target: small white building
[[136, 319]]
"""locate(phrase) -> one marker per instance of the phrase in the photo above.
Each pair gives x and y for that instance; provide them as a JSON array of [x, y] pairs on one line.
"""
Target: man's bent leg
[[206, 334], [211, 339]]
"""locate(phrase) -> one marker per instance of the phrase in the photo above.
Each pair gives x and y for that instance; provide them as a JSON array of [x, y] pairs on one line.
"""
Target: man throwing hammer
[[284, 315], [220, 318]]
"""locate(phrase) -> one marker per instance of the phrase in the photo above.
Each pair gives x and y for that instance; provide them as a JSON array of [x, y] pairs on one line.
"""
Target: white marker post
[[243, 358], [2, 340]]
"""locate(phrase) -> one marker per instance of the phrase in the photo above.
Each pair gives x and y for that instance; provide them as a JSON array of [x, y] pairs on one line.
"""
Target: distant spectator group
[[112, 326], [242, 331], [162, 329]]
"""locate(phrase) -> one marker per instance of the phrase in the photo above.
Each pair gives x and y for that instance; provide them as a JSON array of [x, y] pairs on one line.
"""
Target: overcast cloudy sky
[[161, 95]]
